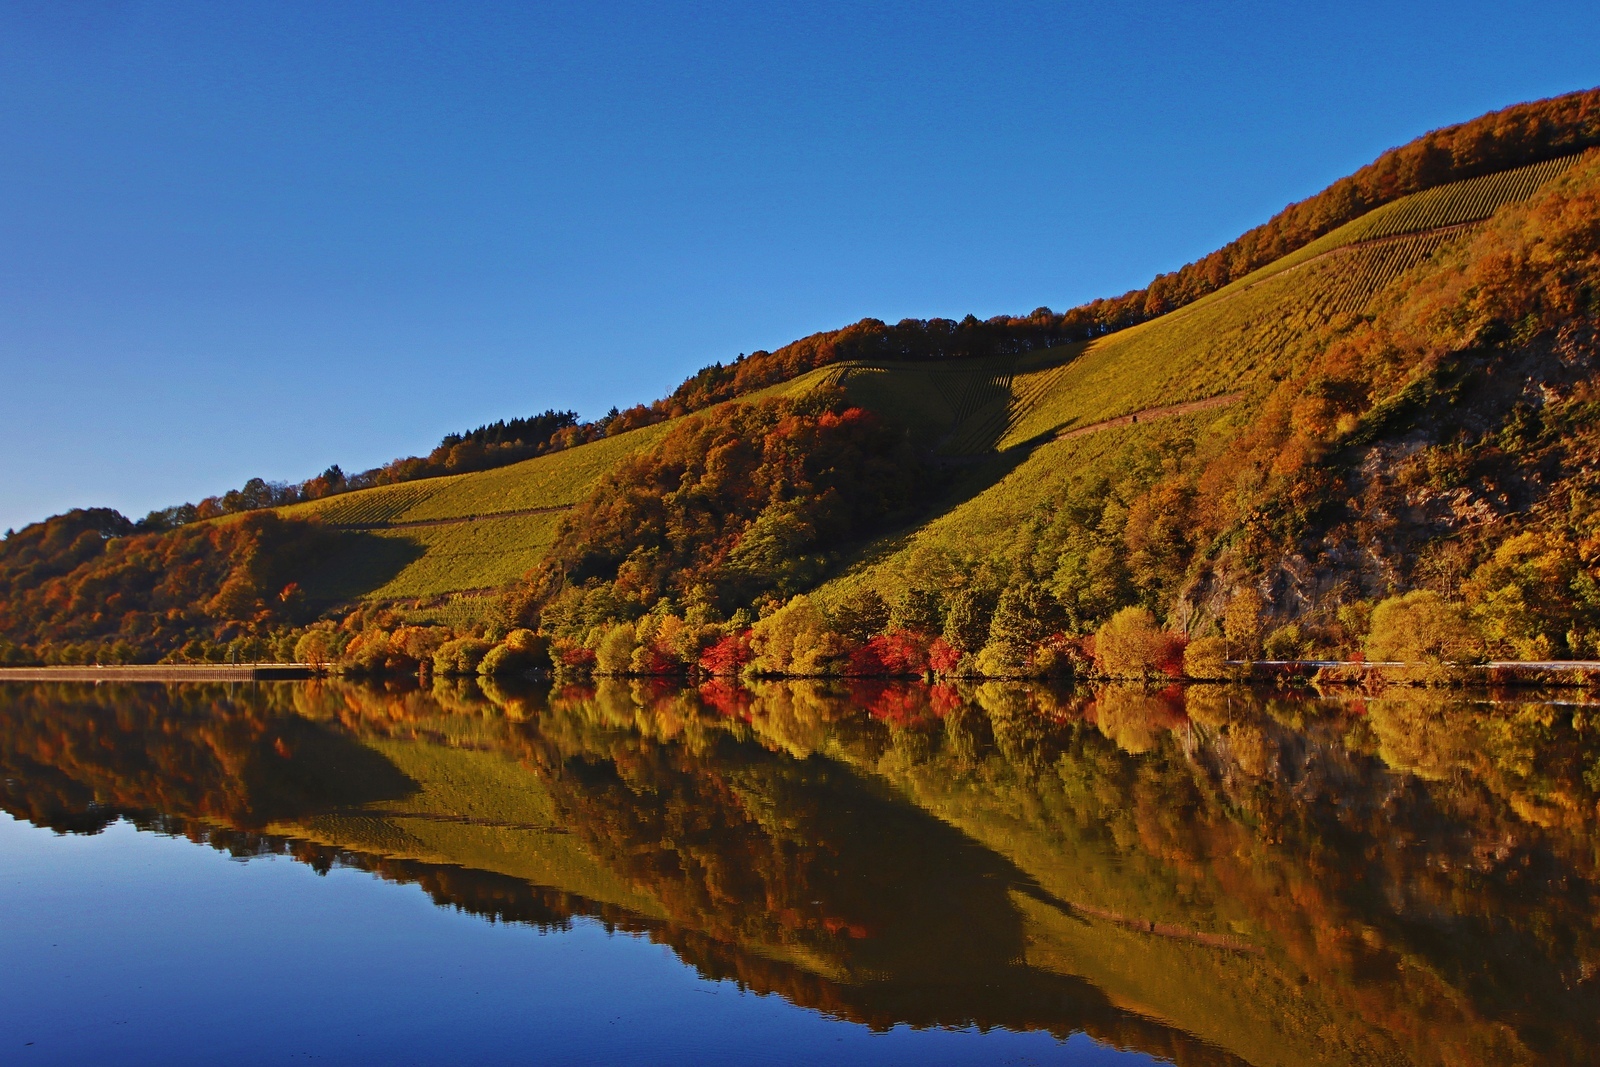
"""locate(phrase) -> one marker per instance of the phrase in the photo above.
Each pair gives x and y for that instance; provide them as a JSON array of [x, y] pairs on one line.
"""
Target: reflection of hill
[[75, 756], [1293, 882]]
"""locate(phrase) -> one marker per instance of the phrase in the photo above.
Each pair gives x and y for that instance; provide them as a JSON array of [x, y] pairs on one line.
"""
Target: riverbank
[[161, 672]]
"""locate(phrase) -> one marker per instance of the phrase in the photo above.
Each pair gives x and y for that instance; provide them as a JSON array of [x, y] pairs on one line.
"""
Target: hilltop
[[1374, 410]]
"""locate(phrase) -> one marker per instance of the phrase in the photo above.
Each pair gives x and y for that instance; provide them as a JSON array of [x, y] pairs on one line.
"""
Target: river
[[795, 873]]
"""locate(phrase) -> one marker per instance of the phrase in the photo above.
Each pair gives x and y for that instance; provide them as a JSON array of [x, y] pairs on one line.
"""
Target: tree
[[1421, 627], [1241, 624], [1131, 645], [916, 609], [966, 625], [1025, 615], [1526, 596], [795, 639], [861, 616], [614, 654]]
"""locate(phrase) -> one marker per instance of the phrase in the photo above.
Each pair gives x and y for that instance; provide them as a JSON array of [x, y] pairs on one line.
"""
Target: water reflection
[[1211, 875]]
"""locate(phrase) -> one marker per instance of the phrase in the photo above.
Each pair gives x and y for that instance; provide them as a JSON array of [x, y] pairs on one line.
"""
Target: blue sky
[[258, 238]]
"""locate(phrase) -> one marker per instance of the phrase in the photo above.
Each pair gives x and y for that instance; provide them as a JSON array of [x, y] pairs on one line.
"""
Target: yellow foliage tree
[[1522, 597], [795, 639], [1206, 660], [1421, 627], [615, 652], [1131, 645]]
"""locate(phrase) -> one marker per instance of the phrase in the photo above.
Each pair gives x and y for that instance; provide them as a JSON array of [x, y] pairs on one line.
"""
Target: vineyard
[[460, 532], [1453, 204], [1217, 345], [428, 561], [369, 507], [1449, 205], [555, 480]]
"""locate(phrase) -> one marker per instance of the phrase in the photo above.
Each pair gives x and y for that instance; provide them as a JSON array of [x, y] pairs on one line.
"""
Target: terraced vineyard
[[462, 532], [1215, 346], [1369, 268], [1458, 202], [1230, 346], [1453, 204]]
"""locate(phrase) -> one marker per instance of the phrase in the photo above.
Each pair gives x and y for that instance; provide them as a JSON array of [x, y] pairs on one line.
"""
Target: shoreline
[[161, 672]]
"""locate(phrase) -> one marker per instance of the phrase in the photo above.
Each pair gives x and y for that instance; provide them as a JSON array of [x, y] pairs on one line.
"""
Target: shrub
[[570, 657], [503, 661], [1131, 645], [1061, 657], [1420, 627], [1286, 642], [654, 660], [728, 656], [943, 656], [1206, 659], [460, 657], [900, 653], [996, 661]]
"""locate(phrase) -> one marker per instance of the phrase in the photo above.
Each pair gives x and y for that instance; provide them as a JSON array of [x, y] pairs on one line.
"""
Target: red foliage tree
[[728, 656]]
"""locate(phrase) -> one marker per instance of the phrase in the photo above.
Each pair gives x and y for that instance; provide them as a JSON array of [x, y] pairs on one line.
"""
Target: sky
[[254, 239]]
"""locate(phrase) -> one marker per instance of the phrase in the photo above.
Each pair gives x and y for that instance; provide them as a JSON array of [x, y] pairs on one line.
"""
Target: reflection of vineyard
[[1290, 882]]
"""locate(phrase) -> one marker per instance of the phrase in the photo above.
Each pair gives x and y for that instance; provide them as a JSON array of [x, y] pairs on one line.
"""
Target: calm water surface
[[794, 874]]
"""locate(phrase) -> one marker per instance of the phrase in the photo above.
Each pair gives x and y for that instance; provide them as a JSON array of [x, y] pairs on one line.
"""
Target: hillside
[[479, 531], [1396, 399], [459, 532]]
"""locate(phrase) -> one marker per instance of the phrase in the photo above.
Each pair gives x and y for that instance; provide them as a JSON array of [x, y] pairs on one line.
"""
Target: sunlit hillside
[[1384, 389], [460, 532], [1204, 367]]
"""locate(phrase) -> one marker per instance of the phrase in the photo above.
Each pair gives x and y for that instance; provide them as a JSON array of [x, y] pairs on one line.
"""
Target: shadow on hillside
[[358, 562], [955, 480]]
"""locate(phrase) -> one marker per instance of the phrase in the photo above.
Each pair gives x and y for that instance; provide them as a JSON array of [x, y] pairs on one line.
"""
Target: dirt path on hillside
[[1152, 414]]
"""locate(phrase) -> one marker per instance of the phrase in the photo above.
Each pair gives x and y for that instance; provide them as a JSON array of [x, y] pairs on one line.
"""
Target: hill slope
[[478, 531], [1395, 398]]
